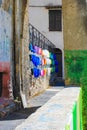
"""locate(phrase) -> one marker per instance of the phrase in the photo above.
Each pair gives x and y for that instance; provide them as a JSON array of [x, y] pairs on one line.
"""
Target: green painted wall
[[75, 121], [75, 64], [84, 100]]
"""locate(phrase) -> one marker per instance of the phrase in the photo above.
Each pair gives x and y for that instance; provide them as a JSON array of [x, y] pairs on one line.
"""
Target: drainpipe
[[18, 33]]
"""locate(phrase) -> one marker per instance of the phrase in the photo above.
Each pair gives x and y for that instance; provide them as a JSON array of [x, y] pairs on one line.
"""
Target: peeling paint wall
[[5, 45]]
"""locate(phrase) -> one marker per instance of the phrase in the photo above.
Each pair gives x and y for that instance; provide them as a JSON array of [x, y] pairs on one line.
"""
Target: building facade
[[75, 40], [46, 16]]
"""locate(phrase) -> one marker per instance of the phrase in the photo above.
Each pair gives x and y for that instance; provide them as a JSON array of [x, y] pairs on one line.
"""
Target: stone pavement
[[41, 99], [7, 106], [16, 118], [55, 114]]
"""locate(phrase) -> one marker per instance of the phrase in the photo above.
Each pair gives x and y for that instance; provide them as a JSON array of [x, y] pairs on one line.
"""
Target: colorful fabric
[[46, 53], [39, 51], [51, 55], [36, 72], [53, 62], [54, 57], [36, 49], [30, 47], [49, 71], [48, 61], [42, 73], [45, 71], [36, 60], [44, 62]]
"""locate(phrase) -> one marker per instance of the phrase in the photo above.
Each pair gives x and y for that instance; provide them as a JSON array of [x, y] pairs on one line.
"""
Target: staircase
[[38, 39]]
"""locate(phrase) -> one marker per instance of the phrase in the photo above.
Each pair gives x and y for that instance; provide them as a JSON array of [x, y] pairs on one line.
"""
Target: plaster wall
[[45, 2]]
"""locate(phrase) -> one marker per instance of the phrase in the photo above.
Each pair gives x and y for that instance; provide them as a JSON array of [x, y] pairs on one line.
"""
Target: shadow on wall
[[56, 79]]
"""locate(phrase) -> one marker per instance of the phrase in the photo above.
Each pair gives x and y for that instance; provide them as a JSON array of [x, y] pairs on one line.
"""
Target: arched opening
[[58, 53]]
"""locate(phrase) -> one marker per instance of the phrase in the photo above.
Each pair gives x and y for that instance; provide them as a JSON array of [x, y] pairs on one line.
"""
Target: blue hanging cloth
[[36, 72], [36, 60], [31, 48]]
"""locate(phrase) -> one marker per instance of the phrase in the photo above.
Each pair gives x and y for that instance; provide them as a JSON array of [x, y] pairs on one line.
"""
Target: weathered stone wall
[[30, 86], [75, 24], [25, 55]]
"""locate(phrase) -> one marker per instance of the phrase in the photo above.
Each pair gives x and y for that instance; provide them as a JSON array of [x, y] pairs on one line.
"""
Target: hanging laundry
[[42, 73], [36, 72], [49, 71], [49, 61], [54, 57], [45, 71], [53, 62], [36, 49], [51, 55], [44, 61], [31, 48], [46, 53], [39, 51], [36, 60]]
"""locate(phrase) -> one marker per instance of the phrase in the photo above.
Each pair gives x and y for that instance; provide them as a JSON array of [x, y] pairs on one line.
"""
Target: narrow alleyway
[[13, 120]]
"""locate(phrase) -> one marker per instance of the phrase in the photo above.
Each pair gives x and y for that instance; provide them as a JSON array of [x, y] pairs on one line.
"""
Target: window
[[55, 20]]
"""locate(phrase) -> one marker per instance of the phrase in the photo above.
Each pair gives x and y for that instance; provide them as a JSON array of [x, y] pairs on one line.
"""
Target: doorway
[[56, 79], [58, 53]]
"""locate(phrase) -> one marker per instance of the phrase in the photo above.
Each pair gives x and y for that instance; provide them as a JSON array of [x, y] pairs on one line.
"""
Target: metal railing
[[38, 39]]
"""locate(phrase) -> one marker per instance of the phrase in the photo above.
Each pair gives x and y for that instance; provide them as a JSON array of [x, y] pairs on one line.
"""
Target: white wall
[[45, 2], [39, 18]]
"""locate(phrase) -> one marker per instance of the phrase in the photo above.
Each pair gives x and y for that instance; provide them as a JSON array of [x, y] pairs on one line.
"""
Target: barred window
[[55, 20]]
